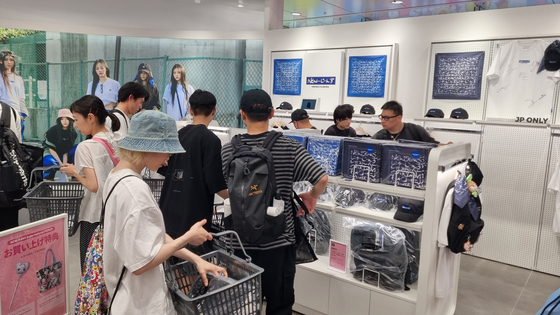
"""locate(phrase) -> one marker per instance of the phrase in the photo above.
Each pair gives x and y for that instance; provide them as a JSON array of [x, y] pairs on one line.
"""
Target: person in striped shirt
[[292, 163]]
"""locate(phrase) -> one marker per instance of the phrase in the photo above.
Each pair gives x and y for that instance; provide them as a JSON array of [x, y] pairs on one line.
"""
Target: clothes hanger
[[359, 128]]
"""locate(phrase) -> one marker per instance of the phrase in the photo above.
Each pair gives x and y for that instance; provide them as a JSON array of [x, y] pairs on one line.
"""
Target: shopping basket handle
[[40, 168], [247, 257]]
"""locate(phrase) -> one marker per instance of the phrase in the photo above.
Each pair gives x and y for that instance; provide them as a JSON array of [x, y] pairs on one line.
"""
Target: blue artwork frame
[[458, 76], [287, 76], [366, 76]]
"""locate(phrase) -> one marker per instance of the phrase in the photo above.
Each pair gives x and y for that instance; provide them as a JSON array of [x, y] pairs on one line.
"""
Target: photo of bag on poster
[[49, 276]]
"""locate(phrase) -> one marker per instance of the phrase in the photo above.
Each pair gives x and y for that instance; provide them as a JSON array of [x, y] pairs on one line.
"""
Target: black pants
[[279, 266], [86, 231], [9, 217]]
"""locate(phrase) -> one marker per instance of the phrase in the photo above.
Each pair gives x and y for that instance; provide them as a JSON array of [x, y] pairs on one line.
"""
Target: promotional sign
[[33, 270], [323, 72], [337, 256]]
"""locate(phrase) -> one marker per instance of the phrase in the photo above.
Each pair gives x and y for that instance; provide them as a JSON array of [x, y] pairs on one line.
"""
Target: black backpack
[[252, 189], [463, 227], [14, 170]]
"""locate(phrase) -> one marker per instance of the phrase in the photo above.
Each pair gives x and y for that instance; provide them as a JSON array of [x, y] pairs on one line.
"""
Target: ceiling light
[[397, 1], [240, 3], [296, 13]]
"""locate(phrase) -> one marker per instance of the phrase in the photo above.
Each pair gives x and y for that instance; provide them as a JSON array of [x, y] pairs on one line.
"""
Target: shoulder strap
[[6, 117], [271, 139], [235, 142], [109, 150], [116, 288], [300, 203], [102, 219], [179, 101], [114, 110]]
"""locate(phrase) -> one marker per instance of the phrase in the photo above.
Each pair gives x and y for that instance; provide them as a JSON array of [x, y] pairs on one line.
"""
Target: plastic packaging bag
[[412, 241], [361, 160], [319, 238], [381, 202], [301, 187], [349, 197], [405, 164], [378, 253], [328, 193]]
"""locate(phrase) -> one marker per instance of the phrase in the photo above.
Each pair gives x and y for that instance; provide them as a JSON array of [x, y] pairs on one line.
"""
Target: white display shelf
[[329, 206], [322, 266], [383, 188], [380, 216], [334, 179]]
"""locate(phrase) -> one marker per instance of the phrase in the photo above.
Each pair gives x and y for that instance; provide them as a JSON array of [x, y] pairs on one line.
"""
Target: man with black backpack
[[260, 168], [131, 97], [11, 189]]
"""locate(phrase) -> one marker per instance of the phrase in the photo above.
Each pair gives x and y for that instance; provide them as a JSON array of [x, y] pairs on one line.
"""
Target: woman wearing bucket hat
[[144, 77], [59, 143], [93, 161], [12, 90], [134, 234]]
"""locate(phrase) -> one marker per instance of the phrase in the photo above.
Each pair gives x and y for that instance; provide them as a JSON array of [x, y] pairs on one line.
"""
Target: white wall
[[414, 36]]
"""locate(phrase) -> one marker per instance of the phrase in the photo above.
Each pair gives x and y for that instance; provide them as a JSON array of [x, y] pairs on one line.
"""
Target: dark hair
[[182, 81], [342, 112], [132, 88], [257, 117], [94, 105], [394, 106], [202, 102], [148, 86], [70, 125], [96, 77]]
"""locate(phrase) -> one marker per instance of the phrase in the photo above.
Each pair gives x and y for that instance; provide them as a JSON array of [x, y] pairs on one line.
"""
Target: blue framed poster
[[458, 76], [287, 76], [366, 76]]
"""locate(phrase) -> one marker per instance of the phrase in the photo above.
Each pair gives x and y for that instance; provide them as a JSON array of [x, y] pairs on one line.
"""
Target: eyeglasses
[[101, 87], [387, 117]]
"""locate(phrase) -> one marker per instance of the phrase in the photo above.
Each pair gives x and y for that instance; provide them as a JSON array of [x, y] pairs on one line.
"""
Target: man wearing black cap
[[394, 129], [291, 163], [300, 119]]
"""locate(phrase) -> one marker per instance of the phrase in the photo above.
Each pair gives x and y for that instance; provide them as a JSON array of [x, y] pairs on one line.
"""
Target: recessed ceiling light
[[240, 6], [296, 13], [397, 1]]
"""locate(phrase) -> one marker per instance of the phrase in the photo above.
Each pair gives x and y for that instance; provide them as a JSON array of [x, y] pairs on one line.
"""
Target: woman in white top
[[102, 86], [177, 94], [134, 232], [12, 90], [93, 161]]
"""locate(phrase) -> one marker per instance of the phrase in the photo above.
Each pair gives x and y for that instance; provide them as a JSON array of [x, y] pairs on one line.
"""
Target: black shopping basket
[[240, 298], [48, 199], [156, 184]]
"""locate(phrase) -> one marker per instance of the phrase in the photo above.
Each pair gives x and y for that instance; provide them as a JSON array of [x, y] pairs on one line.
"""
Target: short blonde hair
[[135, 157]]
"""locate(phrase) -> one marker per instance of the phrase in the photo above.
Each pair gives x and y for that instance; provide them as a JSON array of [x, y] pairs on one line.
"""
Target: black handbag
[[304, 251]]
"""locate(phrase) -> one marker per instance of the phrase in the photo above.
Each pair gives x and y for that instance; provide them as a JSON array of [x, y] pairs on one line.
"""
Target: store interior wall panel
[[548, 256], [475, 108], [513, 161], [445, 132]]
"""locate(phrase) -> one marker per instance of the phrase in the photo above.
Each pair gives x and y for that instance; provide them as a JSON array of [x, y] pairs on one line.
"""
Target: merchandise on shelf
[[328, 194], [412, 241], [409, 210], [382, 202], [327, 151], [379, 254], [361, 160], [321, 237], [301, 187], [299, 136], [405, 164], [349, 197]]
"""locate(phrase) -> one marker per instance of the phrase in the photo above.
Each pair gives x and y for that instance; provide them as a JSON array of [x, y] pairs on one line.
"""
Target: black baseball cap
[[145, 68], [409, 210], [459, 113], [299, 114], [285, 105], [435, 113], [255, 101], [552, 57], [473, 169], [367, 110]]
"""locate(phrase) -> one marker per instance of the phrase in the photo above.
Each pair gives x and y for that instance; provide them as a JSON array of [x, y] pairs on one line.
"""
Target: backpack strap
[[109, 149], [271, 139], [114, 110], [116, 288]]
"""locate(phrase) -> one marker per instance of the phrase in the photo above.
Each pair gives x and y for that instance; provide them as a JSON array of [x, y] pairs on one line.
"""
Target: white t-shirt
[[516, 90], [123, 130], [133, 235], [180, 100], [108, 91], [13, 94], [554, 187], [15, 124], [92, 154], [446, 258]]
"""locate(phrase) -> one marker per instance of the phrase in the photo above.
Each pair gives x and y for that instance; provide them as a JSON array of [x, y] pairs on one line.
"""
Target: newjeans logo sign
[[321, 80]]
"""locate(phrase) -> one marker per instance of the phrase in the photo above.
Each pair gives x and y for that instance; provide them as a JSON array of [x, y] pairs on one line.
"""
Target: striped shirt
[[292, 164]]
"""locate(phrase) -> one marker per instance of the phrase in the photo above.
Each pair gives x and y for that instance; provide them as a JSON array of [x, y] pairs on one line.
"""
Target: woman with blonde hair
[[102, 85], [177, 94], [134, 233]]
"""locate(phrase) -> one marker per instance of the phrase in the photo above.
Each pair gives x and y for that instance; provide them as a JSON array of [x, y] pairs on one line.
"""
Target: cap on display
[[367, 110], [299, 114], [552, 56], [409, 210], [255, 101], [435, 113], [459, 113], [285, 105]]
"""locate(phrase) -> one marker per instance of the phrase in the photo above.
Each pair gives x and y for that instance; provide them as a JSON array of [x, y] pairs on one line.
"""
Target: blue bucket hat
[[152, 131]]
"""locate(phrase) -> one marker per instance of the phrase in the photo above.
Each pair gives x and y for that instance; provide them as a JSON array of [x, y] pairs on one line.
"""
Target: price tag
[[337, 256]]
